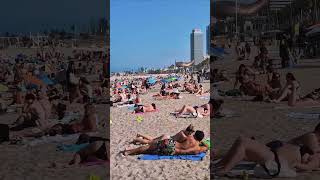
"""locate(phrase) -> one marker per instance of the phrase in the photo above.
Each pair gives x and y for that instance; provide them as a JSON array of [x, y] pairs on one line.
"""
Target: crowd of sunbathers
[[127, 92], [46, 109]]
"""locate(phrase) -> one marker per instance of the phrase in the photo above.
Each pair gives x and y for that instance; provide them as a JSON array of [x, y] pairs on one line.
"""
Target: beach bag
[[4, 133]]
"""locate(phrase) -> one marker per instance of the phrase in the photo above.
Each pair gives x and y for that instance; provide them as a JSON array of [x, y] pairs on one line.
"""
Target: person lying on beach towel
[[179, 137], [136, 100], [310, 140], [212, 107], [145, 108], [191, 144], [276, 158], [196, 111], [95, 151], [168, 95]]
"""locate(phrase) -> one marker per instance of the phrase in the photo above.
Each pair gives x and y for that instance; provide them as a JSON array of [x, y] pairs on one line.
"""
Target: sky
[[154, 33], [34, 15]]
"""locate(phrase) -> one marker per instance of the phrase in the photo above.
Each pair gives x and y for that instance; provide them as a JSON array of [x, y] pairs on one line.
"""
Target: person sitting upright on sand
[[191, 144], [33, 115]]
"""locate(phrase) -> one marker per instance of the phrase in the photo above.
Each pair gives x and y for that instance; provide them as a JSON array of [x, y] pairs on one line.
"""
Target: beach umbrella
[[151, 80]]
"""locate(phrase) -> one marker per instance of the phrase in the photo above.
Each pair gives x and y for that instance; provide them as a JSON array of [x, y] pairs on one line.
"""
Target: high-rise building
[[208, 39], [196, 45]]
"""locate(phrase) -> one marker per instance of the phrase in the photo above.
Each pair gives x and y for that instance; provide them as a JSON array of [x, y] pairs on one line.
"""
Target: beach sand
[[124, 128], [260, 119], [38, 162]]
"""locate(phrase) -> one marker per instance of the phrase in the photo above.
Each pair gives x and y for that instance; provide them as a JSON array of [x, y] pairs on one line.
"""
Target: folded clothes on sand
[[197, 157]]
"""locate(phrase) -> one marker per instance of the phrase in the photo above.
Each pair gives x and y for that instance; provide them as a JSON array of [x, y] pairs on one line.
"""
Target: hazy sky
[[32, 15], [154, 33]]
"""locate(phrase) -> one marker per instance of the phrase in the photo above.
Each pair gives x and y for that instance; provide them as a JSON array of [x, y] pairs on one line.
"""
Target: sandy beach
[[124, 128], [260, 119], [36, 161]]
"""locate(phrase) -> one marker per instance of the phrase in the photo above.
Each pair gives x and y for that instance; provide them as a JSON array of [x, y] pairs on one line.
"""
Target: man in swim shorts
[[167, 146]]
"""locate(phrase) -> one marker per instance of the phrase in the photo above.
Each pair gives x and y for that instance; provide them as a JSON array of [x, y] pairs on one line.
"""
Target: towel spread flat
[[297, 115], [197, 157], [71, 147]]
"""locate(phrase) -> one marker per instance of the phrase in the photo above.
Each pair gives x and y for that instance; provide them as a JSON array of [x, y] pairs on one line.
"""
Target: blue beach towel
[[198, 157], [310, 116], [71, 147]]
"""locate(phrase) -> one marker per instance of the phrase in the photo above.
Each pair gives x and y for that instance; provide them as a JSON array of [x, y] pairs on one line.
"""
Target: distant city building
[[196, 45]]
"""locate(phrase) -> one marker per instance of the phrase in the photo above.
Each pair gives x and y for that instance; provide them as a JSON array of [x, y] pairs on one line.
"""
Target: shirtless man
[[179, 137], [168, 146]]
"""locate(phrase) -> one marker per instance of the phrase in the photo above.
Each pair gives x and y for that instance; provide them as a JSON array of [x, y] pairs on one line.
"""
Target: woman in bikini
[[145, 108], [196, 111], [287, 157], [200, 90], [311, 99], [287, 91]]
